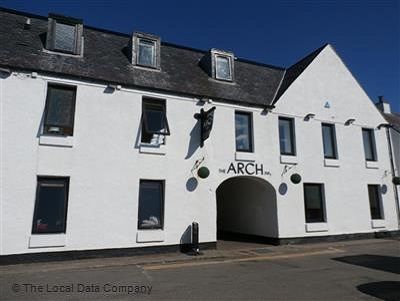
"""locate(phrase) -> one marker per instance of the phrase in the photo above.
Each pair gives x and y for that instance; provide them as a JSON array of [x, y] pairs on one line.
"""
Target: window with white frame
[[146, 53], [154, 121], [329, 141], [369, 144], [375, 204], [223, 67], [243, 132], [314, 203]]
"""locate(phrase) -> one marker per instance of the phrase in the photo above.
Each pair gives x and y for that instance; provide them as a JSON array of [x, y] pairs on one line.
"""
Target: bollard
[[195, 238]]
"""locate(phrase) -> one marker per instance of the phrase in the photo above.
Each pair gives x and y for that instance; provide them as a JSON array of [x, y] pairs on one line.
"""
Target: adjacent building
[[102, 146]]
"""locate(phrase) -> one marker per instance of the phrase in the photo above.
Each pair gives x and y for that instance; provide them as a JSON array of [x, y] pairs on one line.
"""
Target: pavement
[[350, 270]]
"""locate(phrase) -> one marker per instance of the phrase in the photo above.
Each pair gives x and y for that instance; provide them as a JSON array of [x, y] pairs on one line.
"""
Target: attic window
[[146, 50], [223, 67], [64, 34]]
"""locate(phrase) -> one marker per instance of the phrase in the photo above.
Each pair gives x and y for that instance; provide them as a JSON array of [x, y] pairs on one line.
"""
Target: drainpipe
[[396, 195]]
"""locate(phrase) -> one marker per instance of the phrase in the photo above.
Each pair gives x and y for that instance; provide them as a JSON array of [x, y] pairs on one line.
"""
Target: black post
[[195, 238]]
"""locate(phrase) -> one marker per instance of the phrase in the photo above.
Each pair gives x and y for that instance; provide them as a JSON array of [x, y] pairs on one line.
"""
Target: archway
[[246, 209]]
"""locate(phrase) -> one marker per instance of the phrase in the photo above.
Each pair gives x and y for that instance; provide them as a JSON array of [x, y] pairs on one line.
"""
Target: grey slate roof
[[105, 60], [393, 119]]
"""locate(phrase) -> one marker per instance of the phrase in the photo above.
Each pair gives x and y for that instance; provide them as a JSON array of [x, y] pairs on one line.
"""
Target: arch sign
[[241, 168]]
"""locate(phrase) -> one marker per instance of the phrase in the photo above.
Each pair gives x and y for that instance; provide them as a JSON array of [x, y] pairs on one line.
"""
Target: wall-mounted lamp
[[268, 108], [114, 87], [349, 121], [384, 125], [309, 116]]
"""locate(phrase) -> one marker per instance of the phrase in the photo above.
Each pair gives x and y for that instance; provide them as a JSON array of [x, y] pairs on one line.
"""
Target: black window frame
[[376, 212], [372, 146], [51, 180], [332, 137], [251, 133], [322, 218], [293, 151], [148, 104], [64, 130], [162, 207]]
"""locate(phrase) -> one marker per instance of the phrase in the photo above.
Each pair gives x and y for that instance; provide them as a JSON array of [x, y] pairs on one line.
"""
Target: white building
[[100, 148]]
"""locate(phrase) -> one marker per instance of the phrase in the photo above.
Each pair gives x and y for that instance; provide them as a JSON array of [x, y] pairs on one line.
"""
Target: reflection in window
[[146, 55], [51, 205], [64, 39], [243, 132], [59, 111], [369, 144], [223, 67], [154, 122], [313, 203], [286, 136], [329, 141], [375, 202], [151, 205]]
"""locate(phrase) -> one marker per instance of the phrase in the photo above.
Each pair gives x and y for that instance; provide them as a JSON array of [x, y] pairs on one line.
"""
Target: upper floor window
[[369, 144], [146, 50], [329, 141], [50, 213], [223, 67], [151, 204], [154, 121], [287, 136], [64, 34], [59, 110], [243, 132]]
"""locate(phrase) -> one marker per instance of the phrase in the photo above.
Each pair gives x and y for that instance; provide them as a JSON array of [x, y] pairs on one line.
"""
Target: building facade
[[101, 147]]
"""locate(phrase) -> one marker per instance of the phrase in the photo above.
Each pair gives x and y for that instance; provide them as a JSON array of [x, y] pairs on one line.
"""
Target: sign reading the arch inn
[[241, 168]]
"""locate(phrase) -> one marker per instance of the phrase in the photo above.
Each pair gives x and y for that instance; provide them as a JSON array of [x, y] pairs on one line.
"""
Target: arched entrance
[[246, 207]]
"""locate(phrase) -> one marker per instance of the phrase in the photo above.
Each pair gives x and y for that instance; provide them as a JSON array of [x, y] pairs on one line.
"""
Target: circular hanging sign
[[203, 172], [295, 178]]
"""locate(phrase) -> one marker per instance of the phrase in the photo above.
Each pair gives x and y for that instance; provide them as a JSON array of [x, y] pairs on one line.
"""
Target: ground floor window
[[50, 213], [314, 203], [375, 202], [151, 204]]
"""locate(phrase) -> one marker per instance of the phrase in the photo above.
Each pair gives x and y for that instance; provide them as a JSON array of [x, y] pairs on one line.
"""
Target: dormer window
[[219, 65], [223, 67], [64, 34], [146, 50]]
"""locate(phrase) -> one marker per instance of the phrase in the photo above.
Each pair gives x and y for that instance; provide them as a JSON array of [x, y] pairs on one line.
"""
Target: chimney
[[383, 105]]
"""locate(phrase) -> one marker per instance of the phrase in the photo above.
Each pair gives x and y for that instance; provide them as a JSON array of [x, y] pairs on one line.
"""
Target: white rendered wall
[[105, 163]]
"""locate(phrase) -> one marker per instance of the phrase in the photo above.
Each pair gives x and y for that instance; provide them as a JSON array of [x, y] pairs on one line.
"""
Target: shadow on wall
[[384, 290], [378, 262], [186, 240], [194, 141]]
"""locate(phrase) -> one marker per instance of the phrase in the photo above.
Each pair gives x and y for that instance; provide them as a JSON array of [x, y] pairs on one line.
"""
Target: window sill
[[372, 164], [378, 223], [288, 159], [145, 148], [317, 227], [244, 156], [47, 240], [150, 236], [331, 163], [63, 141]]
